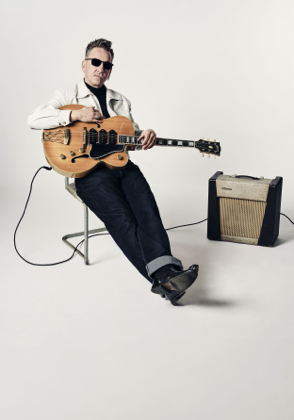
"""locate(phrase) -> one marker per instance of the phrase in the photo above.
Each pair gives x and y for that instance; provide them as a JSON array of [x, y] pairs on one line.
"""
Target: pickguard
[[99, 151]]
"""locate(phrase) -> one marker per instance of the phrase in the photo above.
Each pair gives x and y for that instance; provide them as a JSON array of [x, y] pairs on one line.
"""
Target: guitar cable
[[48, 168]]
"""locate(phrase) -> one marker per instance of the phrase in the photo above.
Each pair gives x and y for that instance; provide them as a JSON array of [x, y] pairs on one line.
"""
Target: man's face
[[96, 76]]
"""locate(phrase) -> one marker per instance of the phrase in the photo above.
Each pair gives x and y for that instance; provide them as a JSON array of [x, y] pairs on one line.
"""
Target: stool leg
[[86, 234], [86, 231]]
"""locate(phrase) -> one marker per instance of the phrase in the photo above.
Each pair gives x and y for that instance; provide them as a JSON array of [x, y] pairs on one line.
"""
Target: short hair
[[100, 43]]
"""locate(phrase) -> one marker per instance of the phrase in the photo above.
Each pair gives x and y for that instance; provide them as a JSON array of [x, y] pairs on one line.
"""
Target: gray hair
[[100, 43]]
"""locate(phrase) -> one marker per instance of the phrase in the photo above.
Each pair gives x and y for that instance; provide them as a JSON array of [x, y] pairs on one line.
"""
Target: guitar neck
[[202, 145], [134, 140]]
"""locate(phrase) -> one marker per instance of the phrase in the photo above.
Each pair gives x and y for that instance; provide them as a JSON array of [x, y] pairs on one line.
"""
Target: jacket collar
[[83, 91]]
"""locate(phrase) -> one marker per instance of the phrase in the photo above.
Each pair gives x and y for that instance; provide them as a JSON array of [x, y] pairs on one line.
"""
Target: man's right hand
[[86, 114]]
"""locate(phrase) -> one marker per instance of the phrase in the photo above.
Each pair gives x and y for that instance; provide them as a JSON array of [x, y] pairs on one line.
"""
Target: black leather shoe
[[172, 295], [180, 280]]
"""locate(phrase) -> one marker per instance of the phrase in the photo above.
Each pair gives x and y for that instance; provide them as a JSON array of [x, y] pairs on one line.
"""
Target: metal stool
[[71, 188]]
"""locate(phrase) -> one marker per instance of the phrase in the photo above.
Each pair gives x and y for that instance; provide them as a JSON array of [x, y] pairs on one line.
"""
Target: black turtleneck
[[100, 94]]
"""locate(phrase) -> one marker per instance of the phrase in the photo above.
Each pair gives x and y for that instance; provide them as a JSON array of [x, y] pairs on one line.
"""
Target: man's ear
[[83, 65]]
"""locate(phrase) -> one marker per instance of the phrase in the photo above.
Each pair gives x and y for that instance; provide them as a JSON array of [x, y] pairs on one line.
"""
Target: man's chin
[[97, 84]]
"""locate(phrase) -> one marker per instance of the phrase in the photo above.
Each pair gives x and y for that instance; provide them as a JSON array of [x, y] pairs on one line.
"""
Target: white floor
[[92, 342]]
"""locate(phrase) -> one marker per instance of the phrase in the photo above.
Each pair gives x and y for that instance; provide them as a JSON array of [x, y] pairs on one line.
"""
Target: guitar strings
[[90, 136], [126, 135], [134, 137]]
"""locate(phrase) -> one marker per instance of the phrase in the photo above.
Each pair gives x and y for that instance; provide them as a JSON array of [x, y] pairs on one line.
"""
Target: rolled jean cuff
[[160, 262]]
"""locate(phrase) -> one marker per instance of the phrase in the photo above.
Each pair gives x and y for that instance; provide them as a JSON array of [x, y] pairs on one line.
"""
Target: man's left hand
[[149, 137]]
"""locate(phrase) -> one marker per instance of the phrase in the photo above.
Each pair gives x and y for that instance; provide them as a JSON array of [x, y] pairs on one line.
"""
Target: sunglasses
[[97, 63]]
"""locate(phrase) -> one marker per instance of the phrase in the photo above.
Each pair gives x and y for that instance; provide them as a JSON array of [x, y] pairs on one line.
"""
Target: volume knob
[[119, 157]]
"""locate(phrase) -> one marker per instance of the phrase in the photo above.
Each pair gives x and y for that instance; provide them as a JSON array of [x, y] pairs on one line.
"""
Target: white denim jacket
[[49, 116]]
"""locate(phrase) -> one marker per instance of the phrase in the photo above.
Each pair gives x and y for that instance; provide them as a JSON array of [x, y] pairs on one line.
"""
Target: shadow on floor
[[200, 292], [200, 297]]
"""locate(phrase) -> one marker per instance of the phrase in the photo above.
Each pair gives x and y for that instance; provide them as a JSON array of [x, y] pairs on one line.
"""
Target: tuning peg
[[214, 157], [209, 156], [202, 154], [214, 140]]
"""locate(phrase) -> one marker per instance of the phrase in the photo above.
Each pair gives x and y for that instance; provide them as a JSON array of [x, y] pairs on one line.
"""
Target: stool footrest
[[73, 235]]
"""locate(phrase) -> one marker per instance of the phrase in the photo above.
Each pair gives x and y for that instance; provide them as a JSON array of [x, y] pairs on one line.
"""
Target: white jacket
[[49, 116]]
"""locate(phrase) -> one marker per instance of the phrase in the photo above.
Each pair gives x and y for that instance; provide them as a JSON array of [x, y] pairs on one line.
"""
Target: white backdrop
[[192, 69], [81, 342]]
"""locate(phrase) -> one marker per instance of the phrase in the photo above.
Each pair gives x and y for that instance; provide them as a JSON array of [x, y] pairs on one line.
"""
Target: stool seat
[[71, 188]]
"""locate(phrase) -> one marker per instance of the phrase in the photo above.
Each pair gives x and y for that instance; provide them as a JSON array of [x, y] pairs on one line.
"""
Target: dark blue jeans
[[124, 202]]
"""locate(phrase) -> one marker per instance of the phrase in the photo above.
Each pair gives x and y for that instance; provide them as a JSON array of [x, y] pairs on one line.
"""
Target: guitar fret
[[128, 139], [178, 143], [124, 139]]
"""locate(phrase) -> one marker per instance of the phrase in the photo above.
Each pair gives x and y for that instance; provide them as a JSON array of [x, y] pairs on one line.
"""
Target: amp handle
[[246, 176]]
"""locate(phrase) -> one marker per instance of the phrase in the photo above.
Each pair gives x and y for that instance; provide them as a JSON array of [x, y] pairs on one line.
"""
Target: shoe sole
[[173, 296], [184, 280]]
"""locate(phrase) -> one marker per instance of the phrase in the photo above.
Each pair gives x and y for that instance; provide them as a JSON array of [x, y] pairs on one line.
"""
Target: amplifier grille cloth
[[241, 218]]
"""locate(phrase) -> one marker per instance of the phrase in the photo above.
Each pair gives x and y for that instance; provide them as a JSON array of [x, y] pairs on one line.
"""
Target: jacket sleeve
[[128, 114], [48, 115], [136, 127]]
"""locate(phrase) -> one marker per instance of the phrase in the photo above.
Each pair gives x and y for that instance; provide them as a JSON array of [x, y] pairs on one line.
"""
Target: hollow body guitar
[[75, 150]]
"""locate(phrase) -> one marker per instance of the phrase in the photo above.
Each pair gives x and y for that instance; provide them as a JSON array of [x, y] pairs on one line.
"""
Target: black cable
[[90, 236], [25, 208], [287, 218], [190, 224], [74, 251]]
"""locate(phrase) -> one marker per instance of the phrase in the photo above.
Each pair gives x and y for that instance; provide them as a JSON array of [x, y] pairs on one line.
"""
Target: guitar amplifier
[[244, 209]]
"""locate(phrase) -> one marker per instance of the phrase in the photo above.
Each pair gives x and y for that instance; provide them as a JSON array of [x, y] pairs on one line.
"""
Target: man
[[122, 199]]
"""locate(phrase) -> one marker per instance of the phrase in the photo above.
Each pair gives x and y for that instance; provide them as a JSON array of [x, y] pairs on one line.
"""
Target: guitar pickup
[[84, 138], [66, 136]]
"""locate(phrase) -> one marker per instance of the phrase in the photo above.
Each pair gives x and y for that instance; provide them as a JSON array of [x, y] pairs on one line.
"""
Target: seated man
[[121, 198]]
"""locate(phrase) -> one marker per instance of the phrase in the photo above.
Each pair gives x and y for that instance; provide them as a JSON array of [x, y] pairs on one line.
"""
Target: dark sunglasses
[[97, 63]]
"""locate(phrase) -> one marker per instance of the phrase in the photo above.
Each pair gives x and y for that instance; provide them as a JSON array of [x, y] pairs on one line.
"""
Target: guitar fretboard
[[133, 140]]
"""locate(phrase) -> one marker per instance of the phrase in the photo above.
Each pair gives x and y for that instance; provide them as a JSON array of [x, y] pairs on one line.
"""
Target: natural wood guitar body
[[75, 150], [60, 155]]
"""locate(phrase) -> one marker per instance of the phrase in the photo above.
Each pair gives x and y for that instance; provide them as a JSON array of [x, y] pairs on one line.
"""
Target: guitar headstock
[[208, 147]]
